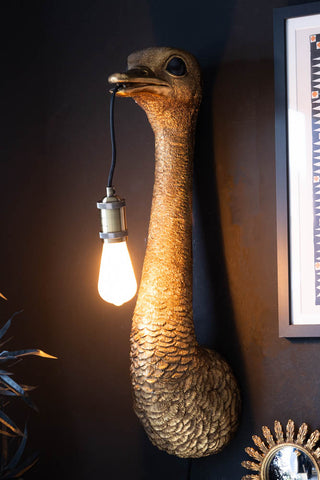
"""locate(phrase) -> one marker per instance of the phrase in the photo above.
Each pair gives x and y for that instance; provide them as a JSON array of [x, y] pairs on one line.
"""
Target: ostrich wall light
[[185, 396]]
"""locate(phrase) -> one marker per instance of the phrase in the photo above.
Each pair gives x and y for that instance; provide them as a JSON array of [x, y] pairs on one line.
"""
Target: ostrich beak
[[137, 80]]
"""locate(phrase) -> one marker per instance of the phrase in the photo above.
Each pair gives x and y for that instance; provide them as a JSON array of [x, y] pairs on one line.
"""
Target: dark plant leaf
[[9, 423], [30, 402], [28, 388], [22, 468], [6, 326], [14, 386], [18, 391], [14, 468], [5, 355], [5, 341], [15, 362], [7, 393], [7, 434], [17, 456]]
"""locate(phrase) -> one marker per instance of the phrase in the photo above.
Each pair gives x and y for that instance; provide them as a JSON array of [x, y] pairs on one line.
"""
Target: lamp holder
[[113, 217], [113, 208]]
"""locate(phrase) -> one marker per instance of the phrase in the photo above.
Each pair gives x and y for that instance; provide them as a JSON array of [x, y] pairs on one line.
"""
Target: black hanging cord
[[113, 139], [189, 468]]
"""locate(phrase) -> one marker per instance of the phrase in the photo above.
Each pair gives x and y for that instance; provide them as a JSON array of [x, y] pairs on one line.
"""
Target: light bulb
[[117, 282]]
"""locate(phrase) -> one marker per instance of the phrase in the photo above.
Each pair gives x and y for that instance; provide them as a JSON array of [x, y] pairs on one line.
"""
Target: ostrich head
[[165, 82]]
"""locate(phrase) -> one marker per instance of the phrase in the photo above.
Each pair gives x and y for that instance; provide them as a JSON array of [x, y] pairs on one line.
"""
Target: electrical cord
[[112, 135], [189, 468]]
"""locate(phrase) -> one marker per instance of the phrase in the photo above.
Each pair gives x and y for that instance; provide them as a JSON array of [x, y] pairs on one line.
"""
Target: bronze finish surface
[[185, 396]]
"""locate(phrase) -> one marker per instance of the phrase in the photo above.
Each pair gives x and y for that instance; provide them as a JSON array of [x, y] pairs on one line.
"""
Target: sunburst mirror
[[284, 456]]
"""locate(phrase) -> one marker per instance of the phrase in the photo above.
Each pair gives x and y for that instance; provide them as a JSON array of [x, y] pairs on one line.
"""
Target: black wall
[[53, 169]]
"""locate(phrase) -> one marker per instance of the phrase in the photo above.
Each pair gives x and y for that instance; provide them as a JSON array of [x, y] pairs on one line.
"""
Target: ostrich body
[[185, 396]]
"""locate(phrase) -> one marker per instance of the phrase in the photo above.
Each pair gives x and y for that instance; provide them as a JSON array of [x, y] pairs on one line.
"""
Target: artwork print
[[297, 136], [315, 108]]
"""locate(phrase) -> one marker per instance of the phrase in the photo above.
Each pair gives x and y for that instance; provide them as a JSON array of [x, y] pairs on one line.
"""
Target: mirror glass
[[291, 463]]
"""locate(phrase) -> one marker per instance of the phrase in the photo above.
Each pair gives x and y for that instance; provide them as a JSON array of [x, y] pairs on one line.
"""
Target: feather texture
[[185, 396]]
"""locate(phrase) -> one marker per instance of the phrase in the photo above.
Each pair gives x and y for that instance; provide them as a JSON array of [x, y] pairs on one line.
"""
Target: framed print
[[297, 124]]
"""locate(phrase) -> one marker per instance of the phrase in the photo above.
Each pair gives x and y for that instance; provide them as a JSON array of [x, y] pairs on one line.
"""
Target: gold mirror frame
[[264, 454]]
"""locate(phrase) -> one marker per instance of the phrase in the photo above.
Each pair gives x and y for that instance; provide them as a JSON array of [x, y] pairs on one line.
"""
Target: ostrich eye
[[176, 67]]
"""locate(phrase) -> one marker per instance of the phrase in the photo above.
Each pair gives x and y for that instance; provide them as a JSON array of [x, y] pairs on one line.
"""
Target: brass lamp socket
[[113, 217]]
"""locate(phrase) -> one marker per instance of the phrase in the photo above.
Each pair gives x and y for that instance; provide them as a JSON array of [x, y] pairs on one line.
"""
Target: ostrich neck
[[165, 294]]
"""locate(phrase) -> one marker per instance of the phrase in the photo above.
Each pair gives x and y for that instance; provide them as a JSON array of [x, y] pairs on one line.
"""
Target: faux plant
[[12, 438]]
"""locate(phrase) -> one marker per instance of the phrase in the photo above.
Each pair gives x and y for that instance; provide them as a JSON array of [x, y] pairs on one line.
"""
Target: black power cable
[[113, 140], [189, 468]]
